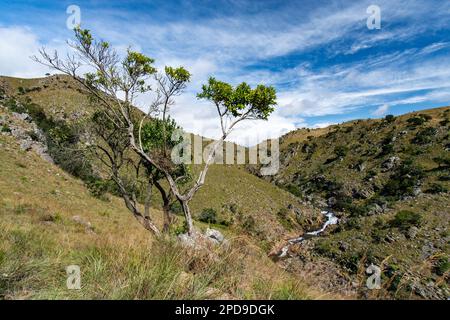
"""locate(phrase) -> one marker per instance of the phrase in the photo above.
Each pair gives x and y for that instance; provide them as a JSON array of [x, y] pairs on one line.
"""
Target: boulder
[[26, 145], [214, 235], [390, 163]]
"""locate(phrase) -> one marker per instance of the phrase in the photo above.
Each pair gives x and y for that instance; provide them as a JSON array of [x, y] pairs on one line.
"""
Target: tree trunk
[[188, 217], [166, 206]]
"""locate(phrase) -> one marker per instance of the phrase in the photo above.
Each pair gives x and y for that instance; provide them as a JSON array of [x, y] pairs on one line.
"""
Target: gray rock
[[375, 209], [86, 224], [186, 240], [215, 235], [22, 116], [26, 145], [417, 191], [390, 163], [412, 232]]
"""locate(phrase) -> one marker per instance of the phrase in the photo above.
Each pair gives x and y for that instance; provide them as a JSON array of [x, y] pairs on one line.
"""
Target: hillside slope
[[236, 196], [388, 180], [50, 220]]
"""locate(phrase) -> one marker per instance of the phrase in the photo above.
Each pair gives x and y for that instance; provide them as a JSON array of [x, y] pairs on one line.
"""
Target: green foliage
[[177, 75], [340, 151], [436, 188], [403, 181], [154, 136], [138, 65], [295, 190], [5, 128], [21, 90], [208, 215], [441, 265], [389, 118], [424, 136], [255, 103], [98, 188], [15, 106], [175, 207], [418, 120], [405, 219]]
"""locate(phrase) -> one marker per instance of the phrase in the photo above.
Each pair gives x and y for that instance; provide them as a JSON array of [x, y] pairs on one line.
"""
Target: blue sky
[[327, 66]]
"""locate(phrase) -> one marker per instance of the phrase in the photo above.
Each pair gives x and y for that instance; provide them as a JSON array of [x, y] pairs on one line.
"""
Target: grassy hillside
[[50, 220], [388, 180], [236, 196]]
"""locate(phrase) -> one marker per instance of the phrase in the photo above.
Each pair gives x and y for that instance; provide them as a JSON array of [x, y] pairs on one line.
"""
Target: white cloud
[[381, 110], [17, 45], [322, 125]]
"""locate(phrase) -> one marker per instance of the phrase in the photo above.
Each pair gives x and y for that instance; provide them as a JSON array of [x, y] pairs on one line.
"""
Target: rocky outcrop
[[26, 132]]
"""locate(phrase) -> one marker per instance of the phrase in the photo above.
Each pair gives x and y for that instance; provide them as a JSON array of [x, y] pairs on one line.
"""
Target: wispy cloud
[[322, 59]]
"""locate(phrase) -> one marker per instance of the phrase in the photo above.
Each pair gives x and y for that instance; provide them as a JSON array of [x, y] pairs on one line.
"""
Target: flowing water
[[331, 219]]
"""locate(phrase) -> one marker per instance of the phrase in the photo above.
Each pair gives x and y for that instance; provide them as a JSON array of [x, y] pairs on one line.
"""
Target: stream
[[331, 219]]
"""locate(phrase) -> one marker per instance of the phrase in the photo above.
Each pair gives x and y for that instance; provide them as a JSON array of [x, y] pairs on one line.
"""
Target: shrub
[[341, 151], [405, 219], [436, 188], [295, 190], [389, 118], [14, 106], [5, 128], [21, 90], [441, 265], [387, 149], [98, 188], [208, 215], [175, 207], [403, 181], [416, 121], [370, 174], [424, 136], [353, 223], [249, 224]]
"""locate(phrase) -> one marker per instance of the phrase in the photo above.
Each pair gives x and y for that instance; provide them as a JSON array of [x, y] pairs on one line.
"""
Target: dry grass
[[118, 258]]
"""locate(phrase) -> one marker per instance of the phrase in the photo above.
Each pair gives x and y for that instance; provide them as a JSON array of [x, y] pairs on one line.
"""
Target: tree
[[389, 118], [114, 83]]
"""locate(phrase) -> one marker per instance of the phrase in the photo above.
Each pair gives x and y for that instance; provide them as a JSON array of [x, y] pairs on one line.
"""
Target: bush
[[21, 90], [341, 151], [353, 223], [424, 136], [441, 266], [405, 219], [295, 190], [99, 188], [416, 121], [403, 181], [5, 128], [208, 215], [436, 188], [175, 207], [389, 118]]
